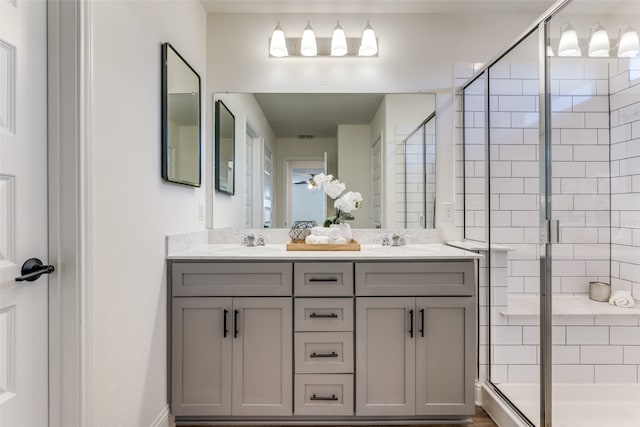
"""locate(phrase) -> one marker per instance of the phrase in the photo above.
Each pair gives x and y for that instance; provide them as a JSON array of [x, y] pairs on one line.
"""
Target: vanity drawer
[[323, 314], [231, 279], [415, 278], [323, 352], [314, 279], [323, 394]]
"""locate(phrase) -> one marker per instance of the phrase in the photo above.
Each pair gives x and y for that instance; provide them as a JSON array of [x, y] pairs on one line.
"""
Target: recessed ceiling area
[[375, 6], [317, 114]]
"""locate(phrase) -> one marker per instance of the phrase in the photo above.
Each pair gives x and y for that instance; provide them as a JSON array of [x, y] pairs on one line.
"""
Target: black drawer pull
[[332, 398], [320, 279], [422, 322], [411, 323], [323, 316], [315, 355], [235, 323], [225, 330]]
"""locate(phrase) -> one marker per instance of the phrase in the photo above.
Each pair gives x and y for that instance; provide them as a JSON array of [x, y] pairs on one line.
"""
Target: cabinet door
[[385, 356], [201, 356], [262, 356], [445, 354]]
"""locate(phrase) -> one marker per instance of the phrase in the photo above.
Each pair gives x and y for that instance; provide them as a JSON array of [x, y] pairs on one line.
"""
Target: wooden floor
[[481, 419]]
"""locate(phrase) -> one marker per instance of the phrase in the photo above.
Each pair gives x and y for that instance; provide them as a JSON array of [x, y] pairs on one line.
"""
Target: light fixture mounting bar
[[324, 47]]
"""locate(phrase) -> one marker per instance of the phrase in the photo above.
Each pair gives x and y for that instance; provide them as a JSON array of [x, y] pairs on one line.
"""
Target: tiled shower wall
[[410, 159], [590, 348], [625, 175]]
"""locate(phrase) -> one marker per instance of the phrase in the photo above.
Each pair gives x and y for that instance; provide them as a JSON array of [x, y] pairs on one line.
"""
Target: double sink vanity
[[265, 334]]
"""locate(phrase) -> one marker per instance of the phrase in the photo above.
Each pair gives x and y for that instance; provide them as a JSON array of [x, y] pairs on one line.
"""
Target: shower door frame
[[547, 226]]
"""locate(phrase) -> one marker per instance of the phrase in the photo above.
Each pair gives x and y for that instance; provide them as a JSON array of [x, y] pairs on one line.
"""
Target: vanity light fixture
[[568, 41], [278, 45], [338, 45], [308, 46], [598, 42], [628, 42], [369, 45], [338, 42]]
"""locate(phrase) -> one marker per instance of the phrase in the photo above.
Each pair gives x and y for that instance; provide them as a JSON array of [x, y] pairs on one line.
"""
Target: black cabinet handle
[[411, 323], [320, 279], [333, 397], [323, 316], [235, 323], [422, 322], [315, 355], [225, 331]]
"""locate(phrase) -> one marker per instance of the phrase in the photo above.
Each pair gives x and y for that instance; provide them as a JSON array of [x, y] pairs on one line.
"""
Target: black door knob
[[32, 269]]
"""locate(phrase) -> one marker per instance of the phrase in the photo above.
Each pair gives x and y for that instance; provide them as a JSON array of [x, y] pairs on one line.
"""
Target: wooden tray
[[300, 245]]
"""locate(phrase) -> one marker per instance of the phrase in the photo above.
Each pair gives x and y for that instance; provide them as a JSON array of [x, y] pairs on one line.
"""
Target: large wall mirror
[[369, 141], [225, 142], [180, 119]]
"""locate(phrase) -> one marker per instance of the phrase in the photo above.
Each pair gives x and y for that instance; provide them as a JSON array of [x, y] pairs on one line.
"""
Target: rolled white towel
[[621, 298], [340, 241], [333, 233], [317, 240]]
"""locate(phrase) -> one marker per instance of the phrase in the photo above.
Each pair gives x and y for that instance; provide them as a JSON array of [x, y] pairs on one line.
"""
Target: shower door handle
[[553, 231]]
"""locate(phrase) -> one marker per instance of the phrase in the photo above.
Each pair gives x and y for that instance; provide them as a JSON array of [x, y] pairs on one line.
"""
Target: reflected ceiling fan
[[306, 181]]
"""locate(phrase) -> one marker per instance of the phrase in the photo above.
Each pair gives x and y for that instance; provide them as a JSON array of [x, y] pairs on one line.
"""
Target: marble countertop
[[413, 252]]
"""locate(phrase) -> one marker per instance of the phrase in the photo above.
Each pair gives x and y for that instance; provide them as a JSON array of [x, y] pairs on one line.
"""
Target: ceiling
[[375, 6], [318, 114]]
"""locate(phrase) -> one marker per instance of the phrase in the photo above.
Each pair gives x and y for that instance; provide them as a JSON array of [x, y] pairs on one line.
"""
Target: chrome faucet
[[251, 240], [394, 240]]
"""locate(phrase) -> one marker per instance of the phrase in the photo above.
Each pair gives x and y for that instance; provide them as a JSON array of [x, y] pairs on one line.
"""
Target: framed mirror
[[181, 127], [225, 142]]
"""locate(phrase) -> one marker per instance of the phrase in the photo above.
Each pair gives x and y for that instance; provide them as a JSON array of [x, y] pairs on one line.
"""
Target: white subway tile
[[503, 235], [558, 335], [597, 169], [514, 354], [620, 133], [626, 202], [599, 251], [591, 202], [530, 335], [526, 268], [575, 374], [578, 235], [561, 104], [532, 185], [500, 119], [505, 86], [629, 113], [570, 69], [575, 285], [567, 120], [506, 335], [530, 87], [525, 169], [598, 268], [597, 219], [500, 168], [616, 374], [524, 120], [566, 355], [518, 152], [602, 87], [568, 169], [596, 69], [570, 218], [584, 335], [632, 355], [525, 218], [577, 87], [590, 153], [507, 185], [517, 103], [591, 103], [603, 136], [618, 83], [579, 136], [625, 97], [499, 373], [517, 202], [620, 184], [579, 185], [630, 166], [531, 136], [625, 335], [561, 152], [597, 120], [601, 354], [569, 268], [520, 374], [525, 70], [630, 271], [562, 202], [506, 136]]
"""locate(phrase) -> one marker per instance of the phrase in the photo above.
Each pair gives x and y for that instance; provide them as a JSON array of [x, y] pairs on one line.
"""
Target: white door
[[23, 212]]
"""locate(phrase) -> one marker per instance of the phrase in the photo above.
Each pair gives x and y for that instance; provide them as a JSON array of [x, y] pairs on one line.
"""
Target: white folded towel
[[334, 233], [317, 240], [340, 241], [621, 298]]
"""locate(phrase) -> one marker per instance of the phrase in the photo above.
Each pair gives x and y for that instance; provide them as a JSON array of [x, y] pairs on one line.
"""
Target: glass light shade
[[599, 42], [629, 45], [550, 51], [308, 46], [569, 42], [278, 45], [369, 44], [338, 42]]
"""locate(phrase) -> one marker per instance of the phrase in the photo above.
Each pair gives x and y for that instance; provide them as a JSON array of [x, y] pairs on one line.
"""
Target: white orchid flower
[[349, 201], [334, 188]]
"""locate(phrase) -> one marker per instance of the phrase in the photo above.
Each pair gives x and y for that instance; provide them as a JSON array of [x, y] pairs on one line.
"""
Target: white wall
[[228, 211], [354, 168], [132, 208]]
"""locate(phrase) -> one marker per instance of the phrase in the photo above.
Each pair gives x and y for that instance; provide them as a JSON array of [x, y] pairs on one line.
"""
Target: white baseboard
[[163, 419], [478, 391], [497, 409]]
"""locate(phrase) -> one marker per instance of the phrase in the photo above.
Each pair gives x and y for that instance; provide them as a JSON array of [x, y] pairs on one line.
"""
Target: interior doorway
[[304, 203]]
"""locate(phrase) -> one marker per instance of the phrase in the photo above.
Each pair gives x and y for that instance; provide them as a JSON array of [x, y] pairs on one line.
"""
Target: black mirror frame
[[219, 105], [165, 118]]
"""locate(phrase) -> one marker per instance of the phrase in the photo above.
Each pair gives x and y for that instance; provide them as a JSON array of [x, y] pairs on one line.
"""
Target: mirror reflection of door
[[303, 203], [266, 187], [248, 180]]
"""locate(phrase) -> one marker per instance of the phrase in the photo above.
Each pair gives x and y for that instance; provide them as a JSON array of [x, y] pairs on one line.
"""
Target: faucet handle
[[248, 240], [385, 240], [403, 241], [260, 240]]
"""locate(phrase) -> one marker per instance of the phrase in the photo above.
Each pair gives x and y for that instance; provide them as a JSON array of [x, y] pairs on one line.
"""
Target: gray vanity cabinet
[[415, 354], [231, 354]]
